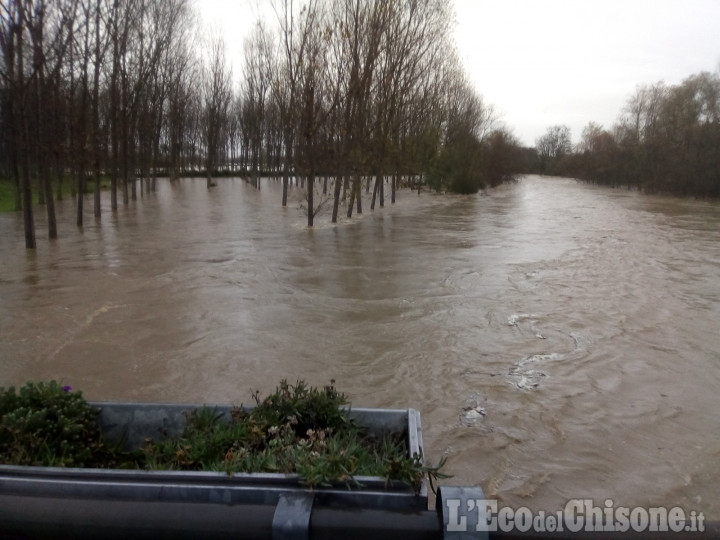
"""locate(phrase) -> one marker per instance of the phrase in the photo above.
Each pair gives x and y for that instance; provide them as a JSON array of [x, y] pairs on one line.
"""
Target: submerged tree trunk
[[382, 191], [351, 204], [133, 175], [286, 170], [310, 198], [43, 167], [375, 191], [24, 154], [96, 114], [28, 220], [336, 198], [80, 194]]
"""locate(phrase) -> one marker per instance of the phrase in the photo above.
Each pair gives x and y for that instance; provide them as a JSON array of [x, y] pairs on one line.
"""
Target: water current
[[560, 340]]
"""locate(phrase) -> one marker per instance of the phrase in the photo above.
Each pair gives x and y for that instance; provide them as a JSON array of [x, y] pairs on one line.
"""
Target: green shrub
[[296, 429], [47, 424]]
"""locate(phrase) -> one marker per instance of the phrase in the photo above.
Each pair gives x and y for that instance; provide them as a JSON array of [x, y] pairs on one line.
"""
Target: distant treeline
[[667, 140], [120, 88]]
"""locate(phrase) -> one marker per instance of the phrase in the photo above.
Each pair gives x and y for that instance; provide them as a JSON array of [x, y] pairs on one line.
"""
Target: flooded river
[[584, 322]]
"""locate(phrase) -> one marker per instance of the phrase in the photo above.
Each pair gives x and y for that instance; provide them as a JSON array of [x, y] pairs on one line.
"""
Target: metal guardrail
[[295, 516], [45, 502]]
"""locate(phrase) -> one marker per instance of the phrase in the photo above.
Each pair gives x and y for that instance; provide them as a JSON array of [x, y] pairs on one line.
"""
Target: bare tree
[[257, 79], [295, 36], [552, 146], [14, 77], [318, 99], [10, 25], [217, 93], [181, 75]]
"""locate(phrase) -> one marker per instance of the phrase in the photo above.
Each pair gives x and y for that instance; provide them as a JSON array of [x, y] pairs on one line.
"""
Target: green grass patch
[[7, 196], [7, 191]]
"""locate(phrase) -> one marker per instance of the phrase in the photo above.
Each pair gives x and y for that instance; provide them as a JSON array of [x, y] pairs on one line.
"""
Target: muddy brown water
[[584, 322]]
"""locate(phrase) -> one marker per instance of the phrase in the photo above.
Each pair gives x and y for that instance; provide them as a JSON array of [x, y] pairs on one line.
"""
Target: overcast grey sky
[[546, 62]]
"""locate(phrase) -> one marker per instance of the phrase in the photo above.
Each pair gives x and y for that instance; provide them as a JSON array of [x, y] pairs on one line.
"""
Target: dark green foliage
[[458, 165], [465, 164], [296, 429], [47, 424], [666, 141], [502, 158], [7, 196], [313, 408]]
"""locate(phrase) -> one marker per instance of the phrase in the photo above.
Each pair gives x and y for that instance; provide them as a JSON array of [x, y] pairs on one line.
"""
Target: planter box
[[72, 501]]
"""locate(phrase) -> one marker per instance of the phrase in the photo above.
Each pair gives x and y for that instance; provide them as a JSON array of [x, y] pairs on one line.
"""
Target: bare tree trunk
[[80, 194], [285, 188], [382, 191], [133, 166], [375, 191], [28, 220], [96, 113], [336, 197], [57, 139], [310, 198], [125, 162], [21, 123], [351, 204], [83, 128], [42, 164], [114, 132]]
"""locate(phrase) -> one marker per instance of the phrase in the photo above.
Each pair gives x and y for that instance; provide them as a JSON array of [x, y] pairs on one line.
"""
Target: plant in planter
[[297, 429], [47, 424]]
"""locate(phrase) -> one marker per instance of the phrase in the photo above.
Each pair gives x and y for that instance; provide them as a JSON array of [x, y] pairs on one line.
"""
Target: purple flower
[[67, 388]]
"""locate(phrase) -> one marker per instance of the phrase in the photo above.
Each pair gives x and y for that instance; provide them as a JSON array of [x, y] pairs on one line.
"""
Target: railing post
[[463, 512], [292, 516]]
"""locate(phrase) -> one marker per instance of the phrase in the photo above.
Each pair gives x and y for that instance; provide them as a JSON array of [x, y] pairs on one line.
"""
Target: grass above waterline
[[7, 196], [7, 192]]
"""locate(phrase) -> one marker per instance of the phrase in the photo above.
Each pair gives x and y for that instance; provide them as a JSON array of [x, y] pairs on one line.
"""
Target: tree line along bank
[[94, 89], [113, 91], [666, 140]]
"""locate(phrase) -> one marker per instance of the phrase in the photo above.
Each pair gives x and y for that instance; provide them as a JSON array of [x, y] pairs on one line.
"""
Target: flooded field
[[582, 321]]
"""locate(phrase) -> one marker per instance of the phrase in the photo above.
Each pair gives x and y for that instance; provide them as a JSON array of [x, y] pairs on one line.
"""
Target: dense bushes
[[666, 140], [47, 424]]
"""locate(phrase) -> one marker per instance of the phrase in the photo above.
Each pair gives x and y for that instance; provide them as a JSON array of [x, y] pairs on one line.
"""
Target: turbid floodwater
[[560, 340]]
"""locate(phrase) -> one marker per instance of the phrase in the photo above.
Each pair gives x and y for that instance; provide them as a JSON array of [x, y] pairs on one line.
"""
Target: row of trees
[[91, 89], [667, 139], [358, 89]]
